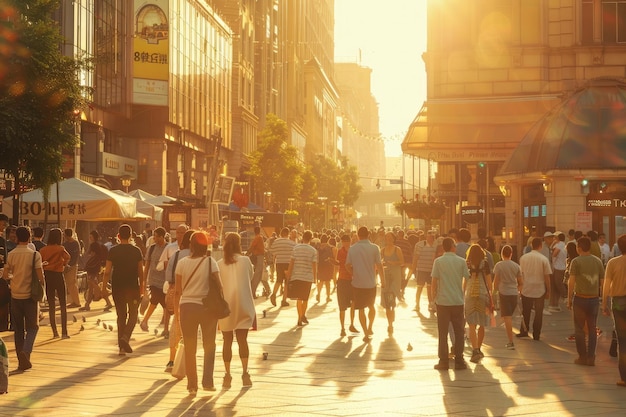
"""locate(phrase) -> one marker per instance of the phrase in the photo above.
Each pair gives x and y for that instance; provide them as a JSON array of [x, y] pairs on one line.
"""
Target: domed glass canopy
[[586, 131]]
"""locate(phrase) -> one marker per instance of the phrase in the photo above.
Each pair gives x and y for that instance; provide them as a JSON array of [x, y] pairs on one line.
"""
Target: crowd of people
[[465, 283]]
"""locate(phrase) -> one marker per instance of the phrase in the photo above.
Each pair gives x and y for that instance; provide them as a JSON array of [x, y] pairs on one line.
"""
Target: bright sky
[[389, 37]]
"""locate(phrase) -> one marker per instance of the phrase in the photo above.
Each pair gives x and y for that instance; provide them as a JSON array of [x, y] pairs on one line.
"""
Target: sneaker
[[480, 352], [247, 382], [510, 346], [591, 361], [165, 334], [208, 387], [521, 335], [228, 379], [73, 305], [555, 309], [65, 336], [441, 366], [353, 329], [460, 365], [169, 367], [144, 326], [85, 308], [546, 312], [121, 352], [284, 304], [475, 356]]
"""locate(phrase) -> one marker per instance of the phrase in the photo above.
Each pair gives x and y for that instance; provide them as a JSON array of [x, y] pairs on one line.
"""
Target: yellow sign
[[151, 52]]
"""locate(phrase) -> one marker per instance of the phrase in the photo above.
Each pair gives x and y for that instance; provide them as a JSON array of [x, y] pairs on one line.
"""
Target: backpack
[[103, 254]]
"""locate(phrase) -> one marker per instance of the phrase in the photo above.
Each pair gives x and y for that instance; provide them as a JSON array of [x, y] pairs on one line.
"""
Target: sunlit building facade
[[162, 93], [494, 69]]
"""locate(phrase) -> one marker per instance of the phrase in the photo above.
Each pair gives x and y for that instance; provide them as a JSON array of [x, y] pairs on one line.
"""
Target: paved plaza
[[312, 371]]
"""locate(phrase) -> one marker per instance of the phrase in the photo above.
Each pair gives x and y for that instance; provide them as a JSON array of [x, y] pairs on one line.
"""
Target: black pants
[[445, 316], [127, 308], [25, 321], [527, 305], [55, 287]]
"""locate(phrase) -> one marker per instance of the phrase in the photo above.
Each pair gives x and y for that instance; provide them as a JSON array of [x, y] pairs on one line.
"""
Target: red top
[[342, 255]]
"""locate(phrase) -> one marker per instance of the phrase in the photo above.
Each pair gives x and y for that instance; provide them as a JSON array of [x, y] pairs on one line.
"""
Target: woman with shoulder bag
[[54, 258], [192, 283], [237, 272]]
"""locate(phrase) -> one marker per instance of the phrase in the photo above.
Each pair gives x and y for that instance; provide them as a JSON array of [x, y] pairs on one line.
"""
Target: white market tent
[[161, 200], [78, 200], [153, 212], [140, 194]]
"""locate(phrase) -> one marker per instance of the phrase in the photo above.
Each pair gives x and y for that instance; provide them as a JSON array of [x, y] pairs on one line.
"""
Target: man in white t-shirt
[[559, 257], [535, 288]]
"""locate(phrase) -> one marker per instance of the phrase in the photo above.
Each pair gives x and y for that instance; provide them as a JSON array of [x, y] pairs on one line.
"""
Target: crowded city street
[[311, 370]]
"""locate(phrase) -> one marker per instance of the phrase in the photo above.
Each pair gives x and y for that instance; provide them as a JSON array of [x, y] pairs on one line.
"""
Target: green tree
[[352, 186], [39, 94], [275, 165]]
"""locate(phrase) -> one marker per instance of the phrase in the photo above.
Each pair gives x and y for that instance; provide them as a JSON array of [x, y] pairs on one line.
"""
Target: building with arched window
[[502, 77]]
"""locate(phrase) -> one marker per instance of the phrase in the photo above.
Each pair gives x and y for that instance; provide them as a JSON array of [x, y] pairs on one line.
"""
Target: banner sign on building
[[151, 52], [118, 166]]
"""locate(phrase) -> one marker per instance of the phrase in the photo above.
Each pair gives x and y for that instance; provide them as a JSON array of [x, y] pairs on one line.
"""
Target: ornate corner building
[[524, 115]]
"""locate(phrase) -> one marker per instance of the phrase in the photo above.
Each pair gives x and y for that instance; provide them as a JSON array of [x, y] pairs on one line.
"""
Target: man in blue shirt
[[449, 270], [362, 262]]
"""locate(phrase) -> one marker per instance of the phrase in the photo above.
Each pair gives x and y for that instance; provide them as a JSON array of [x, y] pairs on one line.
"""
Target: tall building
[[310, 94], [505, 78], [161, 93]]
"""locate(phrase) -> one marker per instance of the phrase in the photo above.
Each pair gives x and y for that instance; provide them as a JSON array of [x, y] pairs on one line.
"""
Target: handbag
[[36, 287], [214, 302], [178, 370]]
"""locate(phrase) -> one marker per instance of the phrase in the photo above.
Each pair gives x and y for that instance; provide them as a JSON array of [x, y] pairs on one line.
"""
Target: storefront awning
[[464, 129]]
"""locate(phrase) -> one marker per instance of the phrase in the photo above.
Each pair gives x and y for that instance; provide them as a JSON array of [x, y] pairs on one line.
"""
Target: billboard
[[151, 52]]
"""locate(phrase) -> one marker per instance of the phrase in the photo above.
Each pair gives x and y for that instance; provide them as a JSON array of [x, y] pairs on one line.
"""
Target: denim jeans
[[585, 311], [25, 321], [453, 315], [191, 316]]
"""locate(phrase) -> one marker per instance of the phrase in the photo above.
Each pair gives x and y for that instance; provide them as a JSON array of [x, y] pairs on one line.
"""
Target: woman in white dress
[[236, 271]]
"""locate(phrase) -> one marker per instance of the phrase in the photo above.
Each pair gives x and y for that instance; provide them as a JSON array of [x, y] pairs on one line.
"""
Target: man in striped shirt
[[281, 249], [423, 258]]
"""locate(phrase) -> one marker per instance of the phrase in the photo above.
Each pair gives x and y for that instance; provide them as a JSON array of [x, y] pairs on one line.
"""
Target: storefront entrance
[[609, 214]]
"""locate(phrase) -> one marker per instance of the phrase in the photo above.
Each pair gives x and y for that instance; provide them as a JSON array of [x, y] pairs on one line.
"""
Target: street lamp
[[268, 197], [323, 200], [309, 204], [126, 182]]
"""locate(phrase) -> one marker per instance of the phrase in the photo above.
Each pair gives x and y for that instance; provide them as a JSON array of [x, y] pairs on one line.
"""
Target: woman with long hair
[[392, 261], [477, 298], [237, 272], [54, 258], [192, 285]]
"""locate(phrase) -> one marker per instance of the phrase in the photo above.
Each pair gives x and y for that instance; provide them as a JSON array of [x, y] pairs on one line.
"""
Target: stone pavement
[[313, 371]]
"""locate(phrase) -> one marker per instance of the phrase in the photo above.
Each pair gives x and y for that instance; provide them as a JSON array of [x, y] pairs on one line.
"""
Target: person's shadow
[[389, 357], [285, 345], [321, 369]]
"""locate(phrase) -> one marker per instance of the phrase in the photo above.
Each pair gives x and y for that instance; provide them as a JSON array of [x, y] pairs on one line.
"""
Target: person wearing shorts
[[363, 261], [281, 250], [508, 283], [344, 286], [424, 255], [155, 279], [302, 273]]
